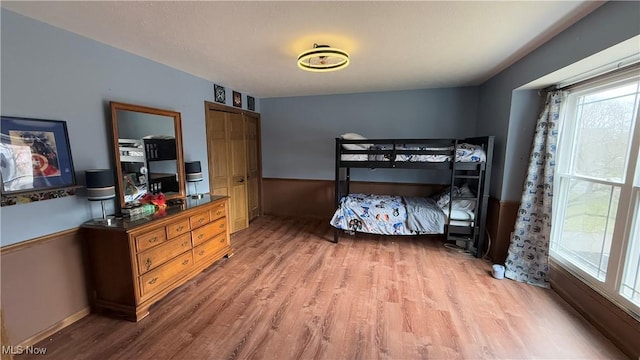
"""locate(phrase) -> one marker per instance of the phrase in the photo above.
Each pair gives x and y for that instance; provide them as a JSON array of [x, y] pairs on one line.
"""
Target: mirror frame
[[177, 126]]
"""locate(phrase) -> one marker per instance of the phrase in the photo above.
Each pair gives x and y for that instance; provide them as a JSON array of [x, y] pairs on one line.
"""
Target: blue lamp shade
[[100, 184], [193, 171]]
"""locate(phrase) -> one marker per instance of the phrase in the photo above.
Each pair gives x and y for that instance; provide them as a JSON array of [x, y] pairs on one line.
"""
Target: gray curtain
[[528, 256]]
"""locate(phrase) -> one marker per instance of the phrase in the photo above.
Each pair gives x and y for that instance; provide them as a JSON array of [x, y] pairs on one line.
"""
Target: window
[[596, 209]]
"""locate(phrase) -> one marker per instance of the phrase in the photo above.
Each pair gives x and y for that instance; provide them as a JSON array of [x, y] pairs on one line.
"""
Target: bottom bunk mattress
[[389, 215]]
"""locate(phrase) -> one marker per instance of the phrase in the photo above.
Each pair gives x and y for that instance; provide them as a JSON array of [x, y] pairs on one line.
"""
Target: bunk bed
[[459, 212]]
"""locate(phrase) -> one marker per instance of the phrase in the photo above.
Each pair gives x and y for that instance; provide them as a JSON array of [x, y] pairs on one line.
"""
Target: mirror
[[147, 152]]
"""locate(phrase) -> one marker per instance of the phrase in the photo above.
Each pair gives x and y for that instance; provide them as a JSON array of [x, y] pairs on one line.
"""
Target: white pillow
[[463, 215], [468, 205], [354, 136], [443, 197]]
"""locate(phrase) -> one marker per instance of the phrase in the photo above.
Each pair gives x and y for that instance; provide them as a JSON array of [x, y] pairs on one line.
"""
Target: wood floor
[[289, 293]]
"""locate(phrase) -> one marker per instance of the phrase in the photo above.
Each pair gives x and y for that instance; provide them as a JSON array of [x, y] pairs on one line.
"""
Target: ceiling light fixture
[[323, 58]]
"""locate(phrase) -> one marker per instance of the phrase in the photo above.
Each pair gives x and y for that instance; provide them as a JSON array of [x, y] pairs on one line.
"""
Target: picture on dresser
[[34, 155]]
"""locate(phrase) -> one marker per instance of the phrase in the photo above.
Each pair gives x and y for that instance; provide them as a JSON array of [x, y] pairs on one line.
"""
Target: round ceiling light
[[323, 58]]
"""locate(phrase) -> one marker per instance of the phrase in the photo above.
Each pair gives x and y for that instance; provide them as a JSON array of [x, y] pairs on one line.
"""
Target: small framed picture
[[219, 93], [251, 103], [237, 99]]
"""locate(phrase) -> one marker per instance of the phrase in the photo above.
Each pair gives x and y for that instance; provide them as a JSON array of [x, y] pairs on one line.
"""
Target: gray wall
[[50, 73], [525, 107], [506, 113], [298, 132]]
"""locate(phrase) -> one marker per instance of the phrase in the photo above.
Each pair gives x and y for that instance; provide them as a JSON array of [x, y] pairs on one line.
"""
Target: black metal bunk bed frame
[[474, 171]]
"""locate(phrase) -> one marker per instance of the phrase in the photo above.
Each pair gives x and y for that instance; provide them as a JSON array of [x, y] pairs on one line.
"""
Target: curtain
[[528, 256]]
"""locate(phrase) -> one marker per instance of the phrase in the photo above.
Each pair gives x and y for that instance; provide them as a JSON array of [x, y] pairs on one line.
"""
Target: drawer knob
[[201, 252], [218, 212], [184, 243], [153, 239], [222, 240], [200, 221], [147, 263], [153, 281], [200, 236], [185, 262], [179, 228]]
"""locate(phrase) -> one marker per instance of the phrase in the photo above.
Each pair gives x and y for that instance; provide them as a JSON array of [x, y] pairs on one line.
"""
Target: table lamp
[[194, 175], [100, 187]]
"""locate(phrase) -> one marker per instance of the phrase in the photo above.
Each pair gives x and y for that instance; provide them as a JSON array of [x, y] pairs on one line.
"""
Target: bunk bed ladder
[[471, 234]]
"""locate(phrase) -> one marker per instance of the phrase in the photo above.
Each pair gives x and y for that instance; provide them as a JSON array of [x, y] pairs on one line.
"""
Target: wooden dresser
[[134, 264]]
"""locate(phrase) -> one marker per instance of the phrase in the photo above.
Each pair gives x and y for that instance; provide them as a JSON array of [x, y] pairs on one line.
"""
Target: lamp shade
[[193, 169], [100, 184]]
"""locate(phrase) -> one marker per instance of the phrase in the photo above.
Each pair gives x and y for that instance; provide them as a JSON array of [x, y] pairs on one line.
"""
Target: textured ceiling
[[252, 46]]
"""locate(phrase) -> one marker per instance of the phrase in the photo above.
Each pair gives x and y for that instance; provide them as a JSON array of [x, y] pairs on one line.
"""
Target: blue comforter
[[389, 215]]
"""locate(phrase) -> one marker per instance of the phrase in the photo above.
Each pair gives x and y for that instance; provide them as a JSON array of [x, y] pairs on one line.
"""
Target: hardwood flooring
[[289, 293]]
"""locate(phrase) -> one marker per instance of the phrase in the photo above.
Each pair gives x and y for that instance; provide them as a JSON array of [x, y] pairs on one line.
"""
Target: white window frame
[[628, 210]]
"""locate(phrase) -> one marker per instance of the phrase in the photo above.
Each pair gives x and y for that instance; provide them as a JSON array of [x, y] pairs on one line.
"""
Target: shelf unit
[[158, 151], [133, 161]]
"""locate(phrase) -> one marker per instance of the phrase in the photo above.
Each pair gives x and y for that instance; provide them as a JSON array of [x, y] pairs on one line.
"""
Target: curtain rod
[[594, 78]]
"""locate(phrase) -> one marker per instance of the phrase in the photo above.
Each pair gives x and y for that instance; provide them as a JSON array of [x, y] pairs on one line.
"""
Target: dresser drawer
[[156, 256], [178, 228], [218, 211], [157, 279], [150, 239], [204, 251], [219, 226], [208, 231], [199, 219]]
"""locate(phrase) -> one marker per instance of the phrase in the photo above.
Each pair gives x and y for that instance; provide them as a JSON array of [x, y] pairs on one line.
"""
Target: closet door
[[218, 155], [252, 130], [238, 185], [227, 155]]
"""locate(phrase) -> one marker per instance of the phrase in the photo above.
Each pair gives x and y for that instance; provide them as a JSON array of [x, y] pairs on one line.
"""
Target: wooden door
[[238, 178], [217, 152], [227, 157], [252, 130]]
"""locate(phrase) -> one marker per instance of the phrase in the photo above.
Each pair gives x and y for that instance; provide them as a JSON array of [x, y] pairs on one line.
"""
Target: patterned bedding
[[464, 153], [389, 215]]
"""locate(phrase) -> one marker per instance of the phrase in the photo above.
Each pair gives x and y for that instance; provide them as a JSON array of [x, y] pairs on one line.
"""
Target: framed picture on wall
[[34, 155], [251, 103], [237, 99], [219, 93]]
